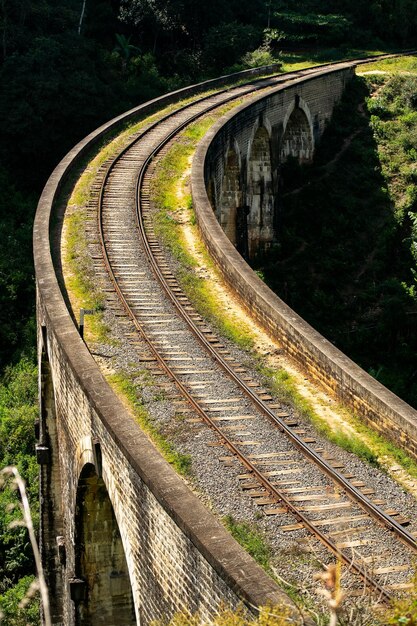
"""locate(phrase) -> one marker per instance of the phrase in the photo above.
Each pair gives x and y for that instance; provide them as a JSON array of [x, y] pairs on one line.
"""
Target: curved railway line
[[190, 354]]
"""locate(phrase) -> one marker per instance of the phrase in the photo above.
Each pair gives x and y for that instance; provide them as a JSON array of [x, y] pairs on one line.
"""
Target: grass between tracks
[[168, 179]]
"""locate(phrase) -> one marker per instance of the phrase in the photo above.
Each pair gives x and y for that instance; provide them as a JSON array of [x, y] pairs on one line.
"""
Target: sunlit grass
[[84, 292], [251, 539], [394, 65], [356, 437], [297, 61], [125, 387], [80, 281], [165, 193], [284, 385]]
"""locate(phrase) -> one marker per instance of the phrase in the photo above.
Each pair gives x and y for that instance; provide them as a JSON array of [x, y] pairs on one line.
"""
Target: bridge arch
[[100, 559], [231, 192], [298, 136], [259, 191]]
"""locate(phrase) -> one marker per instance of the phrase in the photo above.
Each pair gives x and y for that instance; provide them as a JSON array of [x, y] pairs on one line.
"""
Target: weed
[[404, 610], [251, 540], [267, 616], [167, 181], [123, 384]]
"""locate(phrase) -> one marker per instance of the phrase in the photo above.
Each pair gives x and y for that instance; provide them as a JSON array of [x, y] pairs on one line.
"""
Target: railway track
[[334, 506]]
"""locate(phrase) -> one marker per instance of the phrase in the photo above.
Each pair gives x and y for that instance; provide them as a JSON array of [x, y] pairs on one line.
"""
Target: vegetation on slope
[[347, 235], [18, 411]]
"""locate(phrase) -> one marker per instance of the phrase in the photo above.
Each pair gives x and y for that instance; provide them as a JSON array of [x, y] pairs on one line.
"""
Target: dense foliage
[[345, 22], [18, 410]]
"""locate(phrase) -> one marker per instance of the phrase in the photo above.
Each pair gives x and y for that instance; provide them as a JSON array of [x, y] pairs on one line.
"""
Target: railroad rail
[[175, 333]]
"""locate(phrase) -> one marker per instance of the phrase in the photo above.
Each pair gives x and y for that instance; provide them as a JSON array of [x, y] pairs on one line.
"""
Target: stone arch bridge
[[123, 540], [243, 168]]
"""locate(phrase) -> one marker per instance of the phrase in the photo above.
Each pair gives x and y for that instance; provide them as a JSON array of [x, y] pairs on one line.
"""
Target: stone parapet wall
[[316, 355]]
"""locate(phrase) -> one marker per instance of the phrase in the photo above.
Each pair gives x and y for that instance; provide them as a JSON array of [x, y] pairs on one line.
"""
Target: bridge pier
[[51, 522], [246, 158]]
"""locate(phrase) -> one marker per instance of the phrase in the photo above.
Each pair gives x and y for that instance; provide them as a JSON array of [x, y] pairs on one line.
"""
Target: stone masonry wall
[[169, 538]]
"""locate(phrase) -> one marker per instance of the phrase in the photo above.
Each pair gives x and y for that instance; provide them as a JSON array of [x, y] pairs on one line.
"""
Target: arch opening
[[99, 557], [260, 221], [230, 196], [297, 140]]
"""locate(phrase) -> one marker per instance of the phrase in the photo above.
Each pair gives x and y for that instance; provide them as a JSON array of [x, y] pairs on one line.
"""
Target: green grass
[[167, 180], [253, 541], [294, 61], [284, 386], [130, 391], [249, 537], [206, 302], [398, 64], [366, 443], [80, 280]]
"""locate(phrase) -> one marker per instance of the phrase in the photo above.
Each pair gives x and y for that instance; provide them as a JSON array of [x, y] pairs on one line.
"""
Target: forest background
[[66, 66]]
